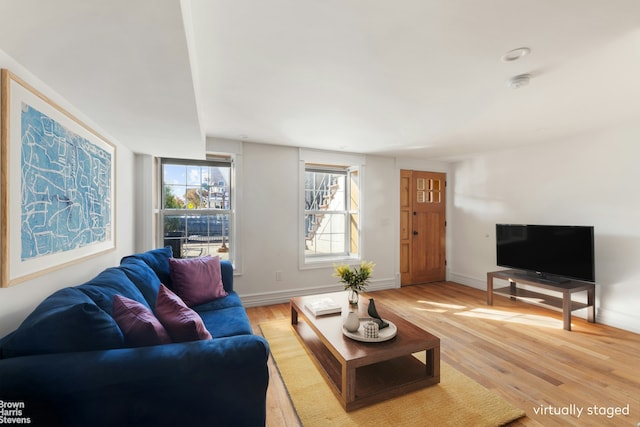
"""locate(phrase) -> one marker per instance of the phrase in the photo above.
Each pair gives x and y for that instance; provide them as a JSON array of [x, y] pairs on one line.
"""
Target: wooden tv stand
[[563, 304]]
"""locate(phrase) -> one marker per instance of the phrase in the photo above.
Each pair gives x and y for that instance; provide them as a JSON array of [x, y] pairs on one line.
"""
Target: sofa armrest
[[214, 382], [226, 270]]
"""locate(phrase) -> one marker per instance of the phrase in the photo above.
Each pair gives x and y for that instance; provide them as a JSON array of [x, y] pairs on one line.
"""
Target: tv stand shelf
[[564, 303]]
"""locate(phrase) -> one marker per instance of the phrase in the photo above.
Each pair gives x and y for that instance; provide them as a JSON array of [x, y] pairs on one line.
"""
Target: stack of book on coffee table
[[323, 306]]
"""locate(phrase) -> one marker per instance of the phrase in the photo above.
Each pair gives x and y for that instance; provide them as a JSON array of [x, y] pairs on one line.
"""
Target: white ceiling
[[122, 63], [419, 78]]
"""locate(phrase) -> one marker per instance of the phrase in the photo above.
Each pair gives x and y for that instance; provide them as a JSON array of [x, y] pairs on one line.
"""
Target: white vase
[[352, 322]]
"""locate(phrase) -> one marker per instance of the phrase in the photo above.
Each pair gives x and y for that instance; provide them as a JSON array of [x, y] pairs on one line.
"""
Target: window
[[331, 212], [196, 217]]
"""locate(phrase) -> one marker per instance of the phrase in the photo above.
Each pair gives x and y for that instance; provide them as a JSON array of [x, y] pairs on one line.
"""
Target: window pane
[[207, 235], [175, 174], [201, 190], [337, 193], [332, 202], [324, 191], [174, 233], [326, 236], [194, 175], [218, 188], [354, 227], [193, 236], [354, 206], [354, 190], [194, 197], [174, 196]]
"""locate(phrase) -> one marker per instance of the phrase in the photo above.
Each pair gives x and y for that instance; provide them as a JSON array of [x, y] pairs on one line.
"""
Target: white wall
[[268, 217], [269, 220], [19, 300], [586, 180]]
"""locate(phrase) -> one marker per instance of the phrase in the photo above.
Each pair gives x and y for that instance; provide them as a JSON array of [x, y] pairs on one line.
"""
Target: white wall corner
[[143, 181]]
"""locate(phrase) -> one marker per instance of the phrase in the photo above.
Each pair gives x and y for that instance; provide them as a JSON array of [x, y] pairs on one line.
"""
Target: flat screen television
[[553, 252]]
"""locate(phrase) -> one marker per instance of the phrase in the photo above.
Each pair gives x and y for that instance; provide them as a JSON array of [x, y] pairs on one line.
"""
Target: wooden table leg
[[429, 361], [591, 302], [566, 310], [489, 289], [512, 290], [433, 362], [294, 316], [348, 385]]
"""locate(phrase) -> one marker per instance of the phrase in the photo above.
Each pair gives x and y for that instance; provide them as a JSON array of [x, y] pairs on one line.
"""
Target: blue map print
[[66, 188]]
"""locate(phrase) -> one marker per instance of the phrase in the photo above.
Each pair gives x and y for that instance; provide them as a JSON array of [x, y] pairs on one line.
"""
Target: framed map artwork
[[57, 185]]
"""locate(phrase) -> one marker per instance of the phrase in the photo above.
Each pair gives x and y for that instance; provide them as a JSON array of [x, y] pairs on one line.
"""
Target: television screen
[[547, 250]]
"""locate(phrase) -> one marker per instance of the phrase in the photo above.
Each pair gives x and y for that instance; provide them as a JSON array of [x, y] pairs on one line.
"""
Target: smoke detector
[[519, 81]]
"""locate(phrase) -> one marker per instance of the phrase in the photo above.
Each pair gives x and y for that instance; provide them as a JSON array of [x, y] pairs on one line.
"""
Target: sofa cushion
[[138, 324], [231, 300], [158, 260], [181, 322], [197, 280], [227, 322], [109, 283], [143, 277], [68, 320]]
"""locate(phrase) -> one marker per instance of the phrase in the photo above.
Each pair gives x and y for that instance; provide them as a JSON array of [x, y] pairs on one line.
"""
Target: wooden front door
[[422, 227]]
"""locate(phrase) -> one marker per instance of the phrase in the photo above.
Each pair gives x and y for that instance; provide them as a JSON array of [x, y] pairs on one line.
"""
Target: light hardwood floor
[[518, 350]]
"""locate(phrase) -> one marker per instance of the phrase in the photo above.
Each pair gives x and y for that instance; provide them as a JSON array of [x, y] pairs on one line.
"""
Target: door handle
[[415, 233]]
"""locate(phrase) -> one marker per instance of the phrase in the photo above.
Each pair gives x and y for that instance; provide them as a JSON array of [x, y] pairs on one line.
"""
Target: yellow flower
[[341, 270], [356, 278], [367, 266]]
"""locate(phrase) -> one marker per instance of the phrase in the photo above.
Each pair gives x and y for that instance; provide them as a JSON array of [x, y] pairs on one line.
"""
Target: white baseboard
[[618, 320], [468, 281], [279, 297]]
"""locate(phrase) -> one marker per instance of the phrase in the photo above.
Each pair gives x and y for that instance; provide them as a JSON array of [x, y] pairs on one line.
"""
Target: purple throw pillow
[[138, 324], [197, 280], [182, 323]]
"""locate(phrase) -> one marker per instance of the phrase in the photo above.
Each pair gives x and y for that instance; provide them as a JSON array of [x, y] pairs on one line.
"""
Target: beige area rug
[[456, 401]]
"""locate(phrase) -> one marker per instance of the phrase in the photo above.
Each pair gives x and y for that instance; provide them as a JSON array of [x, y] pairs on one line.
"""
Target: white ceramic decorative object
[[383, 334], [352, 322], [371, 330]]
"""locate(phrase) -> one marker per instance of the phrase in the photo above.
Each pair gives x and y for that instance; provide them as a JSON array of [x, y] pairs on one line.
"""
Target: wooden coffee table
[[362, 373]]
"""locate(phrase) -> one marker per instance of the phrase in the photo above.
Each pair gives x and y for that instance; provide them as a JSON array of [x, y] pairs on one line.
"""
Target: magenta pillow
[[182, 323], [138, 324], [197, 280]]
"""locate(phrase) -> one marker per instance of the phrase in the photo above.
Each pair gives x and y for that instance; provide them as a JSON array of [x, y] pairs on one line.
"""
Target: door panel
[[405, 226], [427, 199]]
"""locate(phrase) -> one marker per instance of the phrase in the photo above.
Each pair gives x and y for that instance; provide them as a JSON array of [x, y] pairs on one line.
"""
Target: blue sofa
[[68, 363]]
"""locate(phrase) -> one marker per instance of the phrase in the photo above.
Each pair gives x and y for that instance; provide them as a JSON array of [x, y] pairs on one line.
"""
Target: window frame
[[347, 255], [230, 211]]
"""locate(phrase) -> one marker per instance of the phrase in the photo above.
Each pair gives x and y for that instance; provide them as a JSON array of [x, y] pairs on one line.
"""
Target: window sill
[[328, 261]]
